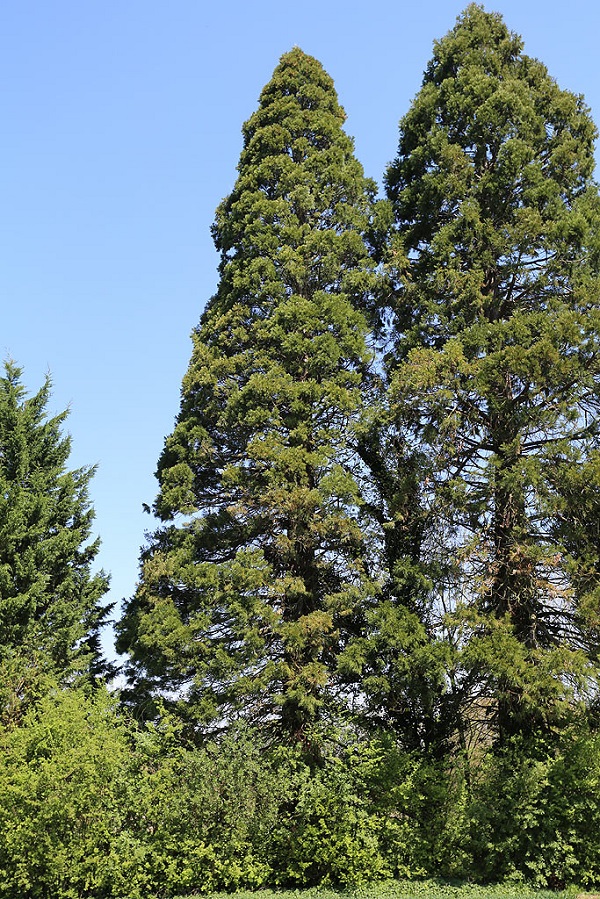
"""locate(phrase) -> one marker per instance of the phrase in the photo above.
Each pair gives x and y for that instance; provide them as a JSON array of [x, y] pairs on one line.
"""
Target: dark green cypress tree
[[50, 601], [496, 364], [252, 585]]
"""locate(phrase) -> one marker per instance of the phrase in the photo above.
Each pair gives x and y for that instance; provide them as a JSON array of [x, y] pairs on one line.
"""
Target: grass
[[394, 889]]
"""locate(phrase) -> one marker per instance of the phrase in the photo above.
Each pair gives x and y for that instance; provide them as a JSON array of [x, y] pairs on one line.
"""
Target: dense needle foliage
[[248, 596], [495, 365], [50, 601]]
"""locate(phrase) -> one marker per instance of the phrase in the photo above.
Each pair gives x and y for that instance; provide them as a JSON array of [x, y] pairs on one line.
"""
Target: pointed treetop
[[303, 80], [478, 35], [489, 124]]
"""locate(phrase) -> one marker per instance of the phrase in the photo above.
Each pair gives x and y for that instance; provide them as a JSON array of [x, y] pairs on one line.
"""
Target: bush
[[61, 797], [203, 815], [370, 811], [92, 806], [536, 813]]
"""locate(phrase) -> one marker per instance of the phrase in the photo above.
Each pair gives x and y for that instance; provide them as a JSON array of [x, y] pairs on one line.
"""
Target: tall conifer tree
[[250, 587], [398, 662], [496, 366], [50, 601]]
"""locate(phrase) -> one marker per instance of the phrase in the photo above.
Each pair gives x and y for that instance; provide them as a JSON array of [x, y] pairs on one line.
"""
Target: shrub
[[536, 812], [61, 796]]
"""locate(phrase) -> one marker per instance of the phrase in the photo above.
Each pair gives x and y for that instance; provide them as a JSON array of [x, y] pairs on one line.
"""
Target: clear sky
[[121, 132]]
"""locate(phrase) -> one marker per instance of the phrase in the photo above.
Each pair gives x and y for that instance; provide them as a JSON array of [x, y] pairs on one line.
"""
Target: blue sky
[[121, 133]]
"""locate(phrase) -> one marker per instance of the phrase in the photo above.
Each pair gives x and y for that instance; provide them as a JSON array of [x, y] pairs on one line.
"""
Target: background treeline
[[365, 637]]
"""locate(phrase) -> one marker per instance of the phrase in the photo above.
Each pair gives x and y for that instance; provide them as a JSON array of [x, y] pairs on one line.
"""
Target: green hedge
[[91, 806]]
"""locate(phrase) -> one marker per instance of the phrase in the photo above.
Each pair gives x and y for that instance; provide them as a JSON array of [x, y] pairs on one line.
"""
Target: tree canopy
[[495, 367], [250, 588], [50, 600]]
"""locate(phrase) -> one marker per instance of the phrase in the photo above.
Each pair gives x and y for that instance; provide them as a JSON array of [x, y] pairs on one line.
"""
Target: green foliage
[[24, 680], [422, 889], [91, 805], [535, 813], [367, 626], [494, 372], [369, 810], [250, 589], [61, 802], [49, 598], [207, 813]]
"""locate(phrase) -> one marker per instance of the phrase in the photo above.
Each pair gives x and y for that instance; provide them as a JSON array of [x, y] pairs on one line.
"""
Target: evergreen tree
[[49, 598], [252, 585], [495, 369], [397, 661]]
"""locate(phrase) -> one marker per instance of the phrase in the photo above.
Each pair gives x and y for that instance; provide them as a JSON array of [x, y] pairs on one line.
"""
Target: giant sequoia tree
[[252, 584], [496, 366], [50, 601]]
